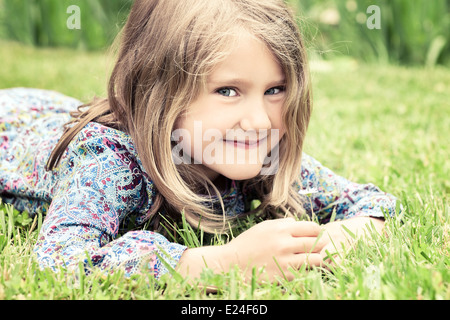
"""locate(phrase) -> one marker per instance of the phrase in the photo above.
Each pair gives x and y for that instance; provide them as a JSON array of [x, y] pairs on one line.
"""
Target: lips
[[246, 143]]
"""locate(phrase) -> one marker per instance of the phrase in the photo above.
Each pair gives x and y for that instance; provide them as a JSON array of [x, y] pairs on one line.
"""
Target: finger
[[332, 254], [307, 245], [304, 229], [306, 259]]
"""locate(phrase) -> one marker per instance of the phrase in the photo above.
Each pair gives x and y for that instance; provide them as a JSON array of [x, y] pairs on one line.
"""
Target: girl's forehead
[[248, 55]]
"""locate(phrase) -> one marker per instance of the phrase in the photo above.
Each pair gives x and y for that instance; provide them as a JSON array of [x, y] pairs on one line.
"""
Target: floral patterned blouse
[[100, 186]]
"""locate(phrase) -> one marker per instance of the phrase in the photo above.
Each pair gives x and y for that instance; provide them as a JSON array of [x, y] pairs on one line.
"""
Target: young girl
[[237, 68]]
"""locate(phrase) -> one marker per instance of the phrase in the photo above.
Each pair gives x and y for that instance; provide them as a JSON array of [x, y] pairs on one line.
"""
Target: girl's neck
[[221, 183]]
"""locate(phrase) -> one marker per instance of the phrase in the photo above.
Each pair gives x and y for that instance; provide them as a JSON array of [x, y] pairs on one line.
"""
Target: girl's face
[[237, 119]]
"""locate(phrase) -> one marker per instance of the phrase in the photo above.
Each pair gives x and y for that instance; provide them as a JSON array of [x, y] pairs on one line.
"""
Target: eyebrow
[[241, 82]]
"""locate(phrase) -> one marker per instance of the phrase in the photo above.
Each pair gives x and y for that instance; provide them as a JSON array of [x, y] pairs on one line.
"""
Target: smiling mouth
[[246, 143]]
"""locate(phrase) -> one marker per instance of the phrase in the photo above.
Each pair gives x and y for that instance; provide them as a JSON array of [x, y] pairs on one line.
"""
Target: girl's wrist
[[195, 260]]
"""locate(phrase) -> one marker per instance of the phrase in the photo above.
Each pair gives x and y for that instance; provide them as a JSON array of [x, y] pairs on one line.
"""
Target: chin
[[241, 172]]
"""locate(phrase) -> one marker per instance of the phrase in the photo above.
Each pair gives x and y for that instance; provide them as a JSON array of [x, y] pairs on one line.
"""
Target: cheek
[[178, 124], [282, 133], [278, 123], [182, 120]]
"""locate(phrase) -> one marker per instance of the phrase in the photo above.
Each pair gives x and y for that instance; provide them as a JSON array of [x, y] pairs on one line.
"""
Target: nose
[[255, 116]]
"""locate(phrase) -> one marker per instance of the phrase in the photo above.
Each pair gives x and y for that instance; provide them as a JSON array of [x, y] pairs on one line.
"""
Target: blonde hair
[[167, 49]]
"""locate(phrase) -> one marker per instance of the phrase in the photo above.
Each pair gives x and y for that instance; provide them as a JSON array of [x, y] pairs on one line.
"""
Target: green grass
[[76, 73], [372, 123]]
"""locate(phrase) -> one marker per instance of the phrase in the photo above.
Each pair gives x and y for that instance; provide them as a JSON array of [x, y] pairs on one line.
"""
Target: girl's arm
[[328, 195], [355, 207], [101, 187]]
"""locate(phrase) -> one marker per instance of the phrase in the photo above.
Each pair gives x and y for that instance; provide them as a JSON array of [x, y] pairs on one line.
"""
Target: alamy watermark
[[372, 277], [74, 20], [374, 21], [235, 147]]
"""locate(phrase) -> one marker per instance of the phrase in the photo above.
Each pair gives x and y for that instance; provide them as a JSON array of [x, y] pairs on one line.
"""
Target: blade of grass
[[2, 221]]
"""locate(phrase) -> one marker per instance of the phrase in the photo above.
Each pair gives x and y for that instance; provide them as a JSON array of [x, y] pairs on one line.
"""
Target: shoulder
[[103, 151], [107, 146], [310, 167], [98, 133], [105, 160], [308, 162], [315, 176]]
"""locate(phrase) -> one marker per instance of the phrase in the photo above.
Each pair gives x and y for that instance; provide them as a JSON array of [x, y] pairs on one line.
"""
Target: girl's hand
[[337, 239], [277, 245]]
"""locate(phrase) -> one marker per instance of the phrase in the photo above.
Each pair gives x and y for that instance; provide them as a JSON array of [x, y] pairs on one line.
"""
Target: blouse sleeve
[[100, 188], [327, 194]]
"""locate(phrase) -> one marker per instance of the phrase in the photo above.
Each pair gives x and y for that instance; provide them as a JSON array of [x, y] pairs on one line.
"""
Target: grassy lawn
[[388, 125]]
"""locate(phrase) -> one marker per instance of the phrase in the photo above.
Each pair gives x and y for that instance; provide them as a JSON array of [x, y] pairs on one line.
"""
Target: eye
[[275, 90], [227, 92]]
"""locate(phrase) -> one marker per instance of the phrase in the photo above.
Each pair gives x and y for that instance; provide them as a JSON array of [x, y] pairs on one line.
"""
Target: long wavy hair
[[166, 51]]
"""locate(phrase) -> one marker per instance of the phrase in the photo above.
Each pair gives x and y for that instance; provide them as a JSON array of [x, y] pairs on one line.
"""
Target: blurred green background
[[44, 22], [413, 32]]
